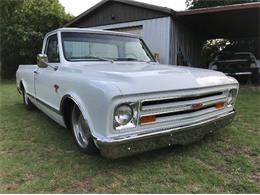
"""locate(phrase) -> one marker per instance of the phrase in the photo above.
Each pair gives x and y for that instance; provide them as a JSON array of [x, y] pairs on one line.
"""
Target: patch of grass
[[39, 156]]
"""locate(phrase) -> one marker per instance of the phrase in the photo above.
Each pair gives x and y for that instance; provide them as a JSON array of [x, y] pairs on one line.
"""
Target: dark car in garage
[[242, 65]]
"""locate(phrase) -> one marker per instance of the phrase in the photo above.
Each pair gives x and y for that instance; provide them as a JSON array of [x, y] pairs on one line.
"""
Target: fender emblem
[[197, 106], [56, 88]]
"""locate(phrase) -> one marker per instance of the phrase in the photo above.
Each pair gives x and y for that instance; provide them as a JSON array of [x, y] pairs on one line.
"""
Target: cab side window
[[52, 49]]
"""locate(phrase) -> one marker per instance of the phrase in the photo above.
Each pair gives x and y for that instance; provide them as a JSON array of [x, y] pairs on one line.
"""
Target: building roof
[[231, 21], [164, 10], [244, 6]]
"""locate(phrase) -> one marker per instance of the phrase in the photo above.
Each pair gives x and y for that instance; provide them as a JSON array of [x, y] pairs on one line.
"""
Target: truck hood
[[135, 78]]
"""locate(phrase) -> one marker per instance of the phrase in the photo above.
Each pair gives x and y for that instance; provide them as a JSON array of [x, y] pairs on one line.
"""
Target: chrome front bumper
[[116, 148]]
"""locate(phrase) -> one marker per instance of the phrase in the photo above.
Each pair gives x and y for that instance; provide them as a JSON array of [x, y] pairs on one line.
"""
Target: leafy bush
[[23, 26]]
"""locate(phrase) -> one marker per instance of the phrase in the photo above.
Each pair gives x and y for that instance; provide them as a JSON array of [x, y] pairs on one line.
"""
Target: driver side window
[[52, 49]]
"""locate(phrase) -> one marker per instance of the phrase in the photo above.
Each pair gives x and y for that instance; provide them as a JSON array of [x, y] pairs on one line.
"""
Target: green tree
[[211, 47], [23, 26]]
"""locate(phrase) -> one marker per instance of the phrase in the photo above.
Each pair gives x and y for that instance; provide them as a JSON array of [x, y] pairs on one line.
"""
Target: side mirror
[[156, 56], [42, 60]]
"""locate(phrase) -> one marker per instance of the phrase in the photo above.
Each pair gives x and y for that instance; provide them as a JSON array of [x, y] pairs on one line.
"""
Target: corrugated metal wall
[[186, 43], [155, 32]]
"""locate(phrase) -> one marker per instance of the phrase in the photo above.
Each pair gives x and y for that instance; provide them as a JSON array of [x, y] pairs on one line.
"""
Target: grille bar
[[184, 108], [183, 105], [182, 112], [180, 99]]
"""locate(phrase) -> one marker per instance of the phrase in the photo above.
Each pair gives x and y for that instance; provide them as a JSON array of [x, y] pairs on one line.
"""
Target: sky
[[76, 7]]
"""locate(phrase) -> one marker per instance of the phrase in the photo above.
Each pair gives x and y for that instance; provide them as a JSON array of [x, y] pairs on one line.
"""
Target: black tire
[[81, 132], [28, 105], [256, 79]]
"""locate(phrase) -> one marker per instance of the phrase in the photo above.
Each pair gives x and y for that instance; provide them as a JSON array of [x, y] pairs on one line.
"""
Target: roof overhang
[[232, 21]]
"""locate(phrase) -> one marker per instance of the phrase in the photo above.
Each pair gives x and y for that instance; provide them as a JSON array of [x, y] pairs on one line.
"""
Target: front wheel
[[81, 132]]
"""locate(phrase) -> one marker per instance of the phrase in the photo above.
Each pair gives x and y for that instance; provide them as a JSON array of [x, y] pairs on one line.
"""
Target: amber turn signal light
[[147, 120], [220, 105]]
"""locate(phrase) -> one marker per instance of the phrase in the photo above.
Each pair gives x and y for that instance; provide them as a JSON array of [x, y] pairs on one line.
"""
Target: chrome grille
[[181, 109]]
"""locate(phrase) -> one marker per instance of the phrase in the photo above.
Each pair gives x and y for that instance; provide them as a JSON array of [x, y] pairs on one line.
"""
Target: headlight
[[123, 114], [231, 97], [253, 65]]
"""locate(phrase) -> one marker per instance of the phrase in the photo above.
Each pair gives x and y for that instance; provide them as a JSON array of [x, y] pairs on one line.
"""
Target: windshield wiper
[[92, 57], [131, 59], [126, 59], [99, 58]]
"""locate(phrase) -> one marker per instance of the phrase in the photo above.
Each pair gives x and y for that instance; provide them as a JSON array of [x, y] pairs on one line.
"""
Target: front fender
[[94, 101]]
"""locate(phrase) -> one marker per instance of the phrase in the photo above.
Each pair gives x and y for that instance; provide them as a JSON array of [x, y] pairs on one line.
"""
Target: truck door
[[47, 79]]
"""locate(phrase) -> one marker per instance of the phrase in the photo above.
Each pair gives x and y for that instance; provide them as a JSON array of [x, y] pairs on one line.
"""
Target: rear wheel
[[82, 132], [28, 105]]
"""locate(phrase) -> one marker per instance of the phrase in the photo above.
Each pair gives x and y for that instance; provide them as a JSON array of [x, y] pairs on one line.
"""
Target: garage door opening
[[238, 58]]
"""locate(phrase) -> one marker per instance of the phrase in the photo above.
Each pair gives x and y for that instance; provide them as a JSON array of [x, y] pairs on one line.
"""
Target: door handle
[[35, 72]]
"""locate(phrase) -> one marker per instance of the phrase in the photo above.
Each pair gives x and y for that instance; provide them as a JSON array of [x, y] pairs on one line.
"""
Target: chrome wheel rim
[[80, 128]]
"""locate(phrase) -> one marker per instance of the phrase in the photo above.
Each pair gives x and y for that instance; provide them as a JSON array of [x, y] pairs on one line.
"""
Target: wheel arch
[[21, 85], [66, 105], [65, 109]]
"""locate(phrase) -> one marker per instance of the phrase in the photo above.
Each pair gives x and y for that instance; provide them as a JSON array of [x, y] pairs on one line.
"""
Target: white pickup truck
[[107, 87]]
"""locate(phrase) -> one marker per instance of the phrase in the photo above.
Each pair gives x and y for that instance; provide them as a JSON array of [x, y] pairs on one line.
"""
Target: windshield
[[102, 47]]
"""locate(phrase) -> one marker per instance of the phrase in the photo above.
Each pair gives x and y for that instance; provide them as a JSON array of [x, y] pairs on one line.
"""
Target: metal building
[[176, 37]]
